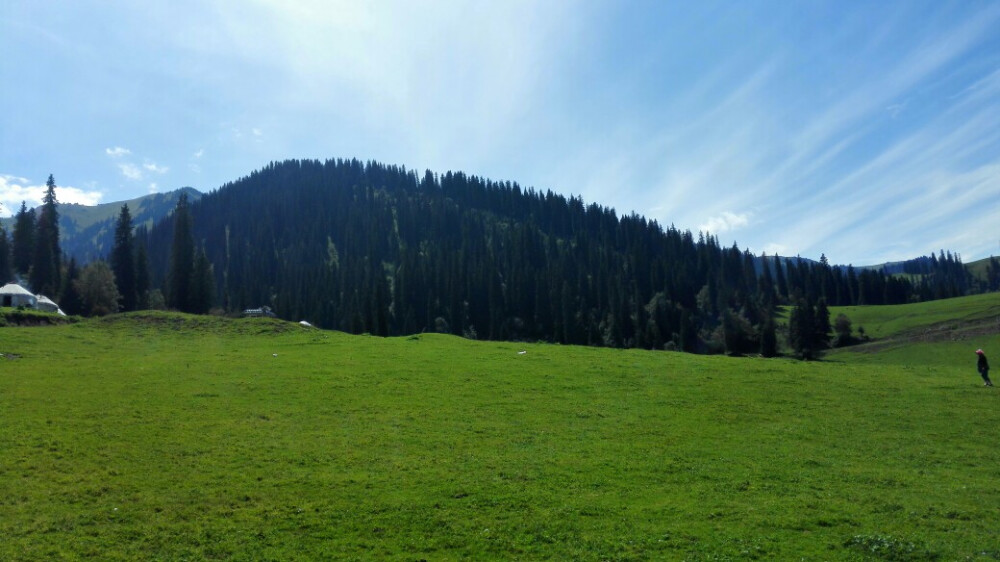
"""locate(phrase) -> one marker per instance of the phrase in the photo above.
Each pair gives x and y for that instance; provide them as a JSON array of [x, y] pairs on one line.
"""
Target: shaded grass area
[[167, 436], [29, 317]]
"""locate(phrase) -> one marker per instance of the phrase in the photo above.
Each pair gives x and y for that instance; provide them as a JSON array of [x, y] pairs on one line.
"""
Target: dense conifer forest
[[367, 247]]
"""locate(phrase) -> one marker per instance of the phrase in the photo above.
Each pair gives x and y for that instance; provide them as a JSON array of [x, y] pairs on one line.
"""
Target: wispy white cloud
[[117, 152], [866, 167], [130, 171], [153, 167], [725, 222], [867, 136]]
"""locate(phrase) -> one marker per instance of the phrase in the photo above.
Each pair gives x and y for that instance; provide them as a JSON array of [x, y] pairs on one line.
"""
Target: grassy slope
[[886, 321], [161, 436]]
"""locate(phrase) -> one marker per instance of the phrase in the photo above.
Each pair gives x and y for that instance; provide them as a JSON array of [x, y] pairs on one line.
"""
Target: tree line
[[119, 283], [368, 247], [374, 248]]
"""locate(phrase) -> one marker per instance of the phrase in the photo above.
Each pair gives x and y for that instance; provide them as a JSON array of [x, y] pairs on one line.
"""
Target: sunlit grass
[[174, 437]]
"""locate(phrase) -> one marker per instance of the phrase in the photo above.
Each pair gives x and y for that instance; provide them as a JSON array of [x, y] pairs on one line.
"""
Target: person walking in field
[[984, 367]]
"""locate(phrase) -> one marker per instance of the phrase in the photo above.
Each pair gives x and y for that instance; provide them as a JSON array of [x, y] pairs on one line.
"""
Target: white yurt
[[14, 295], [45, 304]]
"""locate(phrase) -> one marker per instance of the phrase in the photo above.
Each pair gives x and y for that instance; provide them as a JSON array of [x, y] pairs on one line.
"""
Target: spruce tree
[[45, 267], [202, 285], [779, 278], [71, 302], [6, 270], [142, 281], [802, 330], [823, 328], [123, 261], [768, 338], [23, 240], [181, 259]]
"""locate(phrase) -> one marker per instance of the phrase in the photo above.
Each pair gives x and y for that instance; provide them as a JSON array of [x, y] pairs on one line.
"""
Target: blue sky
[[868, 131]]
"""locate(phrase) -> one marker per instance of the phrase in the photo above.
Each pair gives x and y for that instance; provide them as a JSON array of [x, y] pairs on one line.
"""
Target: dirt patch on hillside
[[157, 320]]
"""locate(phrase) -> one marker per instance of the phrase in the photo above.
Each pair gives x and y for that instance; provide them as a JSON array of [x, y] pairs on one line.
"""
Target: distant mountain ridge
[[86, 232]]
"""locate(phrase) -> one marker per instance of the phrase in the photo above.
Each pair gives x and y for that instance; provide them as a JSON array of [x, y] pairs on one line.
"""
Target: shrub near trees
[[96, 286]]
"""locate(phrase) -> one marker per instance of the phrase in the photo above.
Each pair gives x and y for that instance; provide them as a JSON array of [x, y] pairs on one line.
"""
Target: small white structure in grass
[[262, 312], [45, 304], [14, 295]]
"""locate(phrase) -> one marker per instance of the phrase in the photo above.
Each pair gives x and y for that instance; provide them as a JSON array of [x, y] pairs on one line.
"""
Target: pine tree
[[779, 278], [993, 274], [202, 285], [802, 330], [45, 266], [823, 329], [142, 281], [123, 261], [181, 259], [768, 338], [23, 240], [71, 302], [6, 271]]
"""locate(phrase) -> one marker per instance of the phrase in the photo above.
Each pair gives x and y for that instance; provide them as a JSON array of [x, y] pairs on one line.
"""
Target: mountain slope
[[86, 232], [366, 247]]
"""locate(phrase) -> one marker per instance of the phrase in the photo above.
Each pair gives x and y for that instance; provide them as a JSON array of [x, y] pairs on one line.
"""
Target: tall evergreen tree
[[123, 261], [181, 259], [202, 285], [6, 271], [802, 330], [45, 267], [823, 329], [70, 301], [23, 240], [993, 274], [780, 279], [768, 338], [142, 281]]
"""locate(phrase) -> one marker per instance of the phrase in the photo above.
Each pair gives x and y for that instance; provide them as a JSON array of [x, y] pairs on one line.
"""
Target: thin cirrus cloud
[[867, 131], [895, 158]]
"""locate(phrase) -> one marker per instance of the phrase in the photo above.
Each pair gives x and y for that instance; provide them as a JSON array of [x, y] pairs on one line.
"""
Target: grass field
[[161, 436]]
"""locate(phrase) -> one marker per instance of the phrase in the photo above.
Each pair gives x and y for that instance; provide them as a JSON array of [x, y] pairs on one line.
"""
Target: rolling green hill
[[166, 436], [928, 321]]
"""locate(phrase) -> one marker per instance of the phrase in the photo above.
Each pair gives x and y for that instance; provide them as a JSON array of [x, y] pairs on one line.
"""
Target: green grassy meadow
[[171, 437]]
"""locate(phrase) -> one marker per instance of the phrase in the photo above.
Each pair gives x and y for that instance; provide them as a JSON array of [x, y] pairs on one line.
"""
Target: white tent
[[14, 295], [45, 304]]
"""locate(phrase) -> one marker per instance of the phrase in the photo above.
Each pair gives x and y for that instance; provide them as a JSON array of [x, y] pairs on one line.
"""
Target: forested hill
[[366, 247]]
